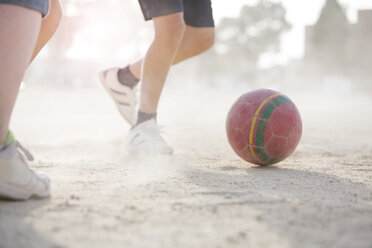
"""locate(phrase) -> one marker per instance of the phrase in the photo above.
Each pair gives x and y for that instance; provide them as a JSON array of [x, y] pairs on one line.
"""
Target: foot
[[145, 138], [124, 97], [17, 180]]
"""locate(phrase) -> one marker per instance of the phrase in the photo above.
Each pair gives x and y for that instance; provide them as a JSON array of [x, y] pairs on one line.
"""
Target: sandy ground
[[204, 195]]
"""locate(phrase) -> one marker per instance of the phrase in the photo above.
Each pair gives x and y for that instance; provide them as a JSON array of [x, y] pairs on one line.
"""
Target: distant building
[[326, 39], [360, 44], [358, 32], [356, 49]]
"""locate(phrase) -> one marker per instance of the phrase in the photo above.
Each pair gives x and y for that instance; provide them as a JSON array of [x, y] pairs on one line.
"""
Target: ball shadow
[[309, 209]]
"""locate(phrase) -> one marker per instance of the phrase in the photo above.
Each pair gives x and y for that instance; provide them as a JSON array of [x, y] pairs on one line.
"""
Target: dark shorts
[[197, 13], [39, 5]]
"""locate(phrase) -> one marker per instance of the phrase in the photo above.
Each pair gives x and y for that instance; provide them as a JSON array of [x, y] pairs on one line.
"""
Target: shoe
[[145, 138], [124, 97], [17, 180]]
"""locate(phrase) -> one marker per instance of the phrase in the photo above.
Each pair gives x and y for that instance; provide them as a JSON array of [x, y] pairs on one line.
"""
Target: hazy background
[[321, 46], [204, 195]]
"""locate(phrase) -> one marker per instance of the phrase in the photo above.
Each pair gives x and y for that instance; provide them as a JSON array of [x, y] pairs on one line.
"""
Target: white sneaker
[[145, 138], [124, 97], [17, 180]]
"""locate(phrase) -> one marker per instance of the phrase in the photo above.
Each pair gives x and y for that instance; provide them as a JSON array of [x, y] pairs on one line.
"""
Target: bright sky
[[299, 14]]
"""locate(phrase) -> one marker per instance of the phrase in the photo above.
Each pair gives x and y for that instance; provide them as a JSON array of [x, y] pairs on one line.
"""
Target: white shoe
[[145, 138], [17, 180], [124, 97]]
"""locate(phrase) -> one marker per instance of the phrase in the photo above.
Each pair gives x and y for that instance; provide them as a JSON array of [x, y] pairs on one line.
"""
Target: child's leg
[[198, 35], [19, 28], [195, 41], [169, 31], [49, 26]]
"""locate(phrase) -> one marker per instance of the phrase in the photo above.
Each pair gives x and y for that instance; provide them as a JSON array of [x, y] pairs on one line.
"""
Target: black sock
[[142, 117], [126, 77]]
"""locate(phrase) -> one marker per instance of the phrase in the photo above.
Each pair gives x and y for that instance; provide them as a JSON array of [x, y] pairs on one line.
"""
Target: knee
[[205, 40], [171, 34]]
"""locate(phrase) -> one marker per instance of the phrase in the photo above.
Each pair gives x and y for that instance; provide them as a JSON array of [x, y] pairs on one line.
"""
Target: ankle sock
[[126, 77], [142, 117]]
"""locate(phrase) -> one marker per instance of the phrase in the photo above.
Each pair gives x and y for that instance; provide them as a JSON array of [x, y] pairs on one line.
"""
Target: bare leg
[[169, 31], [49, 26], [19, 28], [194, 42]]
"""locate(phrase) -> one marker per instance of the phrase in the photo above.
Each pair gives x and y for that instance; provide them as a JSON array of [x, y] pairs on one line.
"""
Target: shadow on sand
[[308, 209], [14, 229]]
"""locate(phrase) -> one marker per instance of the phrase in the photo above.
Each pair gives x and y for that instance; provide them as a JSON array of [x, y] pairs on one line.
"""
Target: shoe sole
[[137, 151], [10, 192], [149, 154], [109, 91]]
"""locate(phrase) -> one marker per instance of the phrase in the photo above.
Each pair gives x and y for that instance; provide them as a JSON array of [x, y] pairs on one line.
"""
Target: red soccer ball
[[263, 127]]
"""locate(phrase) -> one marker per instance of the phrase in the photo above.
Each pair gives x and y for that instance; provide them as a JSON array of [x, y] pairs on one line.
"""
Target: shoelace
[[156, 132], [156, 129], [23, 151]]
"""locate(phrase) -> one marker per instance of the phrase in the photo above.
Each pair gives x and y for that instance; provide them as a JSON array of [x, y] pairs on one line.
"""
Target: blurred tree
[[241, 41], [330, 37]]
